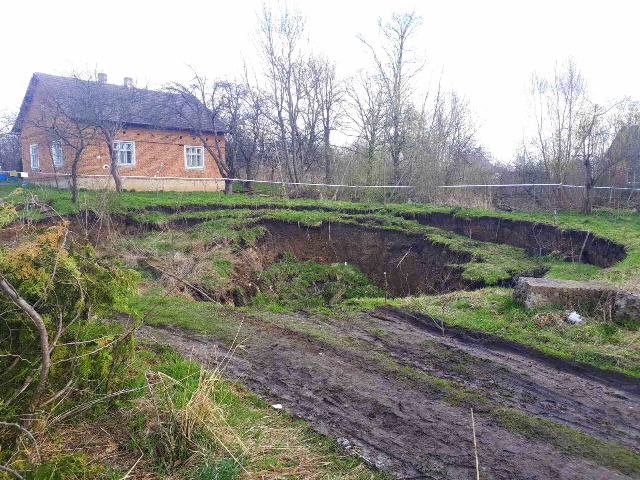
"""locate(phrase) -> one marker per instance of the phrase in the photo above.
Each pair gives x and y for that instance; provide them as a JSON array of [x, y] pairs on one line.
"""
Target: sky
[[486, 50]]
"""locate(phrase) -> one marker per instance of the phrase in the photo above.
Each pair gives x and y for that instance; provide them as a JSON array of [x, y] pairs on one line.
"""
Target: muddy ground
[[368, 379]]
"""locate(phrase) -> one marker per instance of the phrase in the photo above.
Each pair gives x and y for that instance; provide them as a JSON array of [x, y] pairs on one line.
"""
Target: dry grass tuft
[[545, 319]]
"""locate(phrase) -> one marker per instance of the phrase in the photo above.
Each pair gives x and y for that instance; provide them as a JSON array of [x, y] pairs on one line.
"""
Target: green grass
[[598, 342], [290, 284], [569, 440]]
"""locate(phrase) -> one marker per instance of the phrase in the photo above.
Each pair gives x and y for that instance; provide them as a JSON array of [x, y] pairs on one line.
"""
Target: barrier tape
[[217, 179]]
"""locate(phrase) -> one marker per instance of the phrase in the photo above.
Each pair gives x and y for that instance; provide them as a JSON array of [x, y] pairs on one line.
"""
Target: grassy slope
[[238, 215], [618, 225], [597, 342]]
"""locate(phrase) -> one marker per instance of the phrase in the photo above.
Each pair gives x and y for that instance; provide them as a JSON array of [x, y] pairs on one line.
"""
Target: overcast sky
[[486, 50]]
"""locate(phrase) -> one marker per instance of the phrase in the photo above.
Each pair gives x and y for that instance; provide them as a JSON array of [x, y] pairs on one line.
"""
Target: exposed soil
[[536, 238], [403, 424], [399, 263]]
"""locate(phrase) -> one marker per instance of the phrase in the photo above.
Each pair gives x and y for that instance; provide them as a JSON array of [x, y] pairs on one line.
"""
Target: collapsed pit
[[399, 263]]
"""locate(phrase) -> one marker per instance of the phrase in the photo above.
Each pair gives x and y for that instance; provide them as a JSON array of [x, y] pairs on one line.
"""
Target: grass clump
[[207, 317], [292, 284], [195, 424], [569, 440]]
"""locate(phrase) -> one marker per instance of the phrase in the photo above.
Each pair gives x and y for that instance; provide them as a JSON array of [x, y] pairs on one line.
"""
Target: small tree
[[88, 111], [201, 104], [596, 150], [10, 152], [397, 66], [367, 112], [59, 121]]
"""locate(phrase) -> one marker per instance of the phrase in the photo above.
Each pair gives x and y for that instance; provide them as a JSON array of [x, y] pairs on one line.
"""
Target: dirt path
[[368, 379]]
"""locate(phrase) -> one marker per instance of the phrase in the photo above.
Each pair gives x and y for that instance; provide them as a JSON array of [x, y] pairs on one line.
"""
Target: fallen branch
[[42, 332], [11, 472], [181, 280]]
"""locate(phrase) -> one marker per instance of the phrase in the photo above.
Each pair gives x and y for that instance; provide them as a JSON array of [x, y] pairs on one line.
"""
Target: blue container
[[4, 177]]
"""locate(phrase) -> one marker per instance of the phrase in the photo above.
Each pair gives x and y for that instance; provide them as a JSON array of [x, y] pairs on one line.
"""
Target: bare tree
[[62, 119], [596, 150], [558, 103], [329, 95], [367, 112], [397, 65], [280, 35], [302, 92], [242, 108], [10, 155], [573, 133], [201, 105]]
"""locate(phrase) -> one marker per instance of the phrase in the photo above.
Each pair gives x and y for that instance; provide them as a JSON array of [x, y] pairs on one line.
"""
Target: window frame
[[34, 148], [117, 150], [57, 145], [186, 163]]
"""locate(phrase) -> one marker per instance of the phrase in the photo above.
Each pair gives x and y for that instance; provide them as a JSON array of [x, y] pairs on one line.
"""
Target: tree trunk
[[328, 166], [114, 166], [248, 186], [116, 175], [587, 201], [228, 187], [74, 182]]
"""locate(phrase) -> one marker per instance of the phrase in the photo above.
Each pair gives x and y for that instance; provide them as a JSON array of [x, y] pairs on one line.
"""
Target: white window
[[56, 154], [35, 158], [125, 152], [193, 157]]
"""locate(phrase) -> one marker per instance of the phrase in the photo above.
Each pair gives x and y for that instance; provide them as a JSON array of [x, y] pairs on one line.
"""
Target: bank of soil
[[399, 263], [369, 379], [535, 238]]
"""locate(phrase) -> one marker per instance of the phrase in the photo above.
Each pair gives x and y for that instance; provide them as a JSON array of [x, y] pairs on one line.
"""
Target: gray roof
[[91, 101], [626, 144]]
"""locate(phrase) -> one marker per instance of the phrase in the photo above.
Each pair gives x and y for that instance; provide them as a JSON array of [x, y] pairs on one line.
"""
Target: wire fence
[[514, 196], [537, 196]]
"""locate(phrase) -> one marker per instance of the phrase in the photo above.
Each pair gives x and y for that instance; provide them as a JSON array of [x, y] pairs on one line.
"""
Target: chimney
[[128, 82], [102, 77]]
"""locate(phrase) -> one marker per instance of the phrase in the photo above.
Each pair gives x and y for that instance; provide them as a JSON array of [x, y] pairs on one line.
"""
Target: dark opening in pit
[[397, 262]]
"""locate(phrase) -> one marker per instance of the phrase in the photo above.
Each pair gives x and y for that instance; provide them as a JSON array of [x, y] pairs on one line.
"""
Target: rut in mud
[[362, 390]]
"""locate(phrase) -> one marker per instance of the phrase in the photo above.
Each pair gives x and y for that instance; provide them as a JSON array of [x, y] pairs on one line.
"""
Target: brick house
[[158, 138]]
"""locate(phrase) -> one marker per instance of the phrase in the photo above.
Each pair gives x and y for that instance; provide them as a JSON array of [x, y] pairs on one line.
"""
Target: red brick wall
[[157, 152]]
